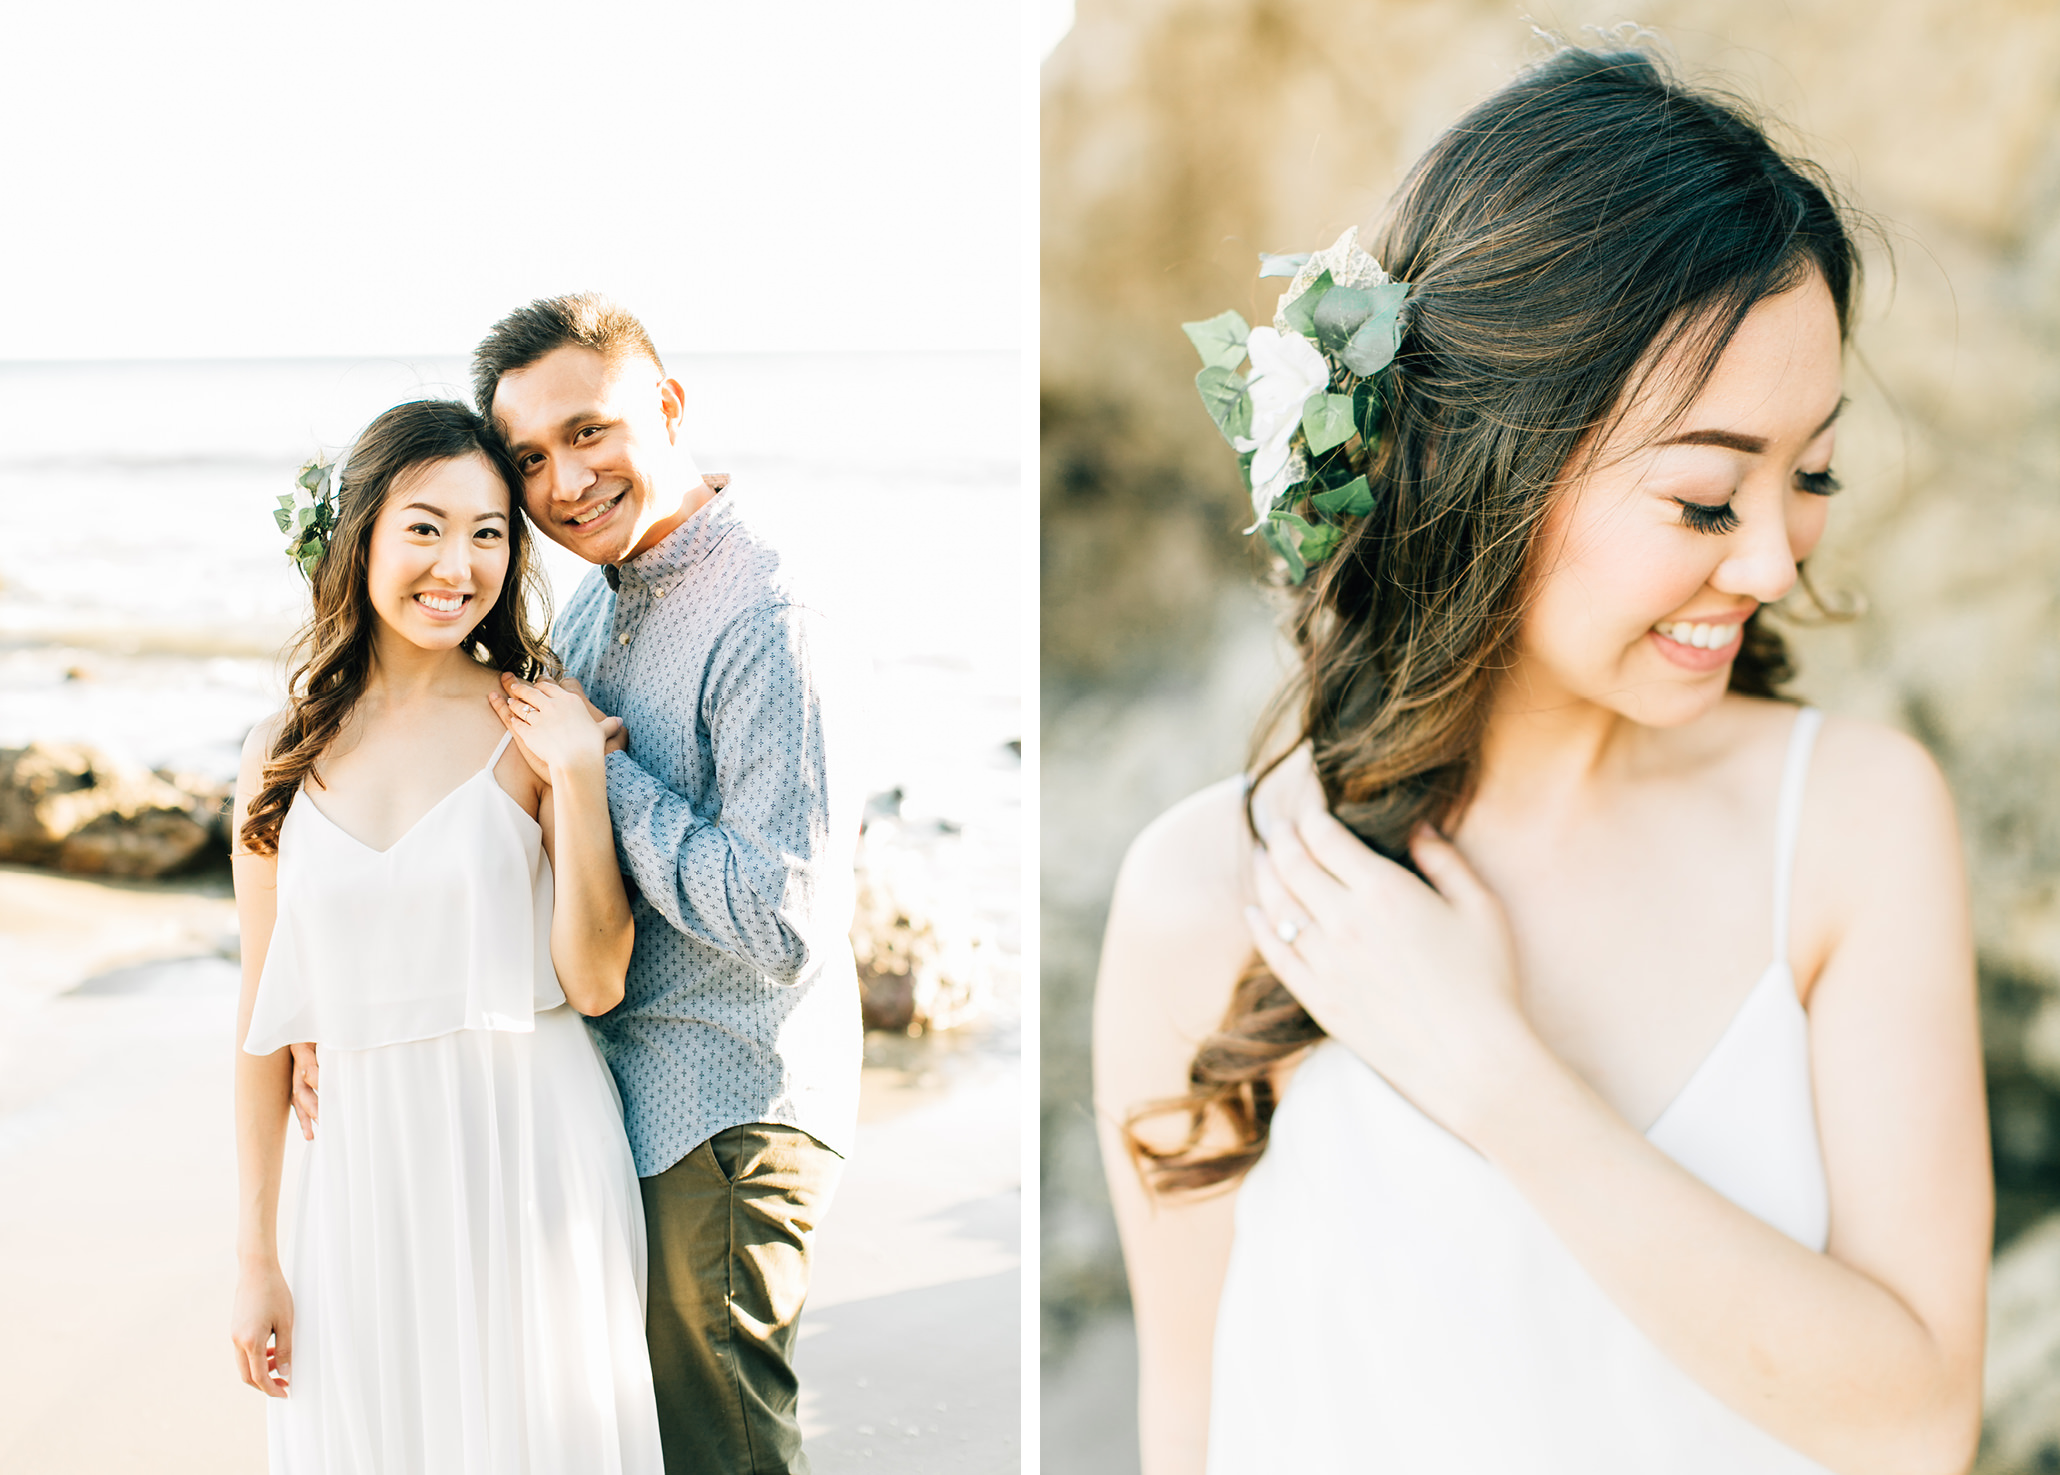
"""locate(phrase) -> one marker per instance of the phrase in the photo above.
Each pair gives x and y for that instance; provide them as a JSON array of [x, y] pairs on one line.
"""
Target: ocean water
[[145, 597]]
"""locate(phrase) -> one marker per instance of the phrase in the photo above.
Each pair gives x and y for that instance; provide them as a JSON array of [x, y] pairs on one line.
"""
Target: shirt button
[[625, 639]]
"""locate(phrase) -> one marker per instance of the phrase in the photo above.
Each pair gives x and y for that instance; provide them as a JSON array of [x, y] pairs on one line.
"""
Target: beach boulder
[[923, 961], [211, 791], [75, 808]]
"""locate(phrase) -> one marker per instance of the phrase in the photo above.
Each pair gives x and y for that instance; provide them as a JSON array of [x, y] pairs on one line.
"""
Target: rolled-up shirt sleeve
[[748, 878]]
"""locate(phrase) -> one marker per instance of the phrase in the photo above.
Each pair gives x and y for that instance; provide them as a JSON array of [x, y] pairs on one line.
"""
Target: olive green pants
[[729, 1227]]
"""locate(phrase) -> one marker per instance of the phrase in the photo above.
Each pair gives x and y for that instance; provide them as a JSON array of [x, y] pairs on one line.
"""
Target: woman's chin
[[426, 633], [1674, 703]]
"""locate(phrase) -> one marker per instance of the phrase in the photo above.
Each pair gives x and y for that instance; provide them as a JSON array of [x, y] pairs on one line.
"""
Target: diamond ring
[[1287, 932]]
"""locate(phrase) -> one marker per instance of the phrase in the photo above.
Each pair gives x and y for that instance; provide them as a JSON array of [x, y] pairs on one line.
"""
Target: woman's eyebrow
[[1752, 445], [439, 512]]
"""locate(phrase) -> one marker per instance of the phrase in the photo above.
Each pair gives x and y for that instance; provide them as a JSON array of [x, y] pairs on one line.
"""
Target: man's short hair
[[580, 320]]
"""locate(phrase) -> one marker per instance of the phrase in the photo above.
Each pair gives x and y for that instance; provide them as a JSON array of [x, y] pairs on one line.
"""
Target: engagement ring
[[1287, 932]]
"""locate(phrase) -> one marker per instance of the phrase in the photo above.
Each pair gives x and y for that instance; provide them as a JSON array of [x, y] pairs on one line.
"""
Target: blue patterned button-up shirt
[[737, 818]]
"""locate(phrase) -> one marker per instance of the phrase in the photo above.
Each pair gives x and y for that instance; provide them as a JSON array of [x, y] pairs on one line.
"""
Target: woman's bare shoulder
[[1188, 866], [250, 782], [1878, 864], [1877, 786], [1176, 937], [477, 678], [1866, 780], [258, 742]]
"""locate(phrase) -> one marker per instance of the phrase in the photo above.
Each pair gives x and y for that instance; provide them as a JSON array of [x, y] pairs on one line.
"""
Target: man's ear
[[674, 399]]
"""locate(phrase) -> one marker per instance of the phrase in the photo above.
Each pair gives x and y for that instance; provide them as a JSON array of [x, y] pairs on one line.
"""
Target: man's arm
[[750, 878]]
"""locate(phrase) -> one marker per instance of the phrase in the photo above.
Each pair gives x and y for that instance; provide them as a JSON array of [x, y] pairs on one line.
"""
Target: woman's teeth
[[1702, 637], [448, 604], [593, 512]]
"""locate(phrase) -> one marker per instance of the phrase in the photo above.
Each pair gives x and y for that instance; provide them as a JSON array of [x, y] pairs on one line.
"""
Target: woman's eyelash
[[1703, 518]]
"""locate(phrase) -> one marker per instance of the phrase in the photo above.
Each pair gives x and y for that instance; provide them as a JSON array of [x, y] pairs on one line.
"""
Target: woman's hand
[[1419, 983], [261, 1326], [554, 724]]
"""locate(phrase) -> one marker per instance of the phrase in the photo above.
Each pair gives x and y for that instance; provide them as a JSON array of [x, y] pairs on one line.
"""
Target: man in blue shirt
[[737, 1045]]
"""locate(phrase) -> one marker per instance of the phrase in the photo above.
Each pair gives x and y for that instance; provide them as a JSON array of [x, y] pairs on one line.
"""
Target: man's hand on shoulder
[[307, 1093]]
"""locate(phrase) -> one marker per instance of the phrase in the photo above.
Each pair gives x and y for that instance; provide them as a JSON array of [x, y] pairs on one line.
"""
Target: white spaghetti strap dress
[[467, 1257], [1393, 1304]]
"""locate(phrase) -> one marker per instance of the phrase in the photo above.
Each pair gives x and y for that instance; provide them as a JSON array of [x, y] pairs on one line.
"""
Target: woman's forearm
[[262, 1084], [591, 934], [1817, 1353]]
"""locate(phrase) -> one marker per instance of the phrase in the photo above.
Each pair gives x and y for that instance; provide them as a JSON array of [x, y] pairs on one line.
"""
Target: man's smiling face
[[592, 438]]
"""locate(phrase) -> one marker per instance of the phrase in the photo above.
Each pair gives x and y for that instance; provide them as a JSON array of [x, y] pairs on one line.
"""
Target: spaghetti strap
[[500, 748], [1802, 739]]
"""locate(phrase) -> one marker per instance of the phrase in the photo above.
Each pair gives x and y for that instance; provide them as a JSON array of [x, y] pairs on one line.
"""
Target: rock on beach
[[923, 963], [74, 808]]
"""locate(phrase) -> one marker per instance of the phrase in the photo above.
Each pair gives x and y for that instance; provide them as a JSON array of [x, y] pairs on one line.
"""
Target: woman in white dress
[[430, 903], [1619, 1015]]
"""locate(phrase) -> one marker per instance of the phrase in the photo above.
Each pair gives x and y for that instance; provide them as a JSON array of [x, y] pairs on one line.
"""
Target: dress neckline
[[486, 771], [1795, 768], [1778, 973]]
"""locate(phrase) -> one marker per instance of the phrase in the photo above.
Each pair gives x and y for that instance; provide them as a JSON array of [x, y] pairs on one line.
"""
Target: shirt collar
[[662, 566]]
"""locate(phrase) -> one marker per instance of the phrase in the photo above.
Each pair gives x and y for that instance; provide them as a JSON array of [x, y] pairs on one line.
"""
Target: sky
[[286, 180]]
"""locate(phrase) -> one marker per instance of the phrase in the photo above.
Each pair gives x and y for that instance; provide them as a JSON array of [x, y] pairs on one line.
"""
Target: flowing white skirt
[[468, 1266]]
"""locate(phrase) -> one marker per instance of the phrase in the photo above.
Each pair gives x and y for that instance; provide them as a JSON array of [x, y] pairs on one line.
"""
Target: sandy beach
[[117, 1211]]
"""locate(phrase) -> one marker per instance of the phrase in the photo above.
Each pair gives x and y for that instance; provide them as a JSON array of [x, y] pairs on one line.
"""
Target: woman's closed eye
[[1706, 517], [1722, 517]]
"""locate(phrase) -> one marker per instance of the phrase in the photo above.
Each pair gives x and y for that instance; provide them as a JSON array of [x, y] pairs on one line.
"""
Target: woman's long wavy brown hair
[[332, 657], [1593, 219]]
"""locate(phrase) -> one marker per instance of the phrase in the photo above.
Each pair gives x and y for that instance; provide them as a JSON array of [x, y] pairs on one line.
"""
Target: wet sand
[[117, 1212]]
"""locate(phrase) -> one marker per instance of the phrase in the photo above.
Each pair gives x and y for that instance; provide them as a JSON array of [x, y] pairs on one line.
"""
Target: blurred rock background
[[1180, 137]]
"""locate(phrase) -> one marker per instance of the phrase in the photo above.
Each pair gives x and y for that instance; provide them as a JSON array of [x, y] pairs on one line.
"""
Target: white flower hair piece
[[307, 515], [1286, 371], [1306, 420]]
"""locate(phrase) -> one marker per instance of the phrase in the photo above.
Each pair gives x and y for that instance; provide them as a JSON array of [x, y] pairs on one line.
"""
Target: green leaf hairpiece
[[1306, 419], [308, 515]]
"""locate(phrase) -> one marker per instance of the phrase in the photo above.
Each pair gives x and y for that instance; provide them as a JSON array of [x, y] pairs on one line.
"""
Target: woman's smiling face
[[439, 551], [1653, 557]]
